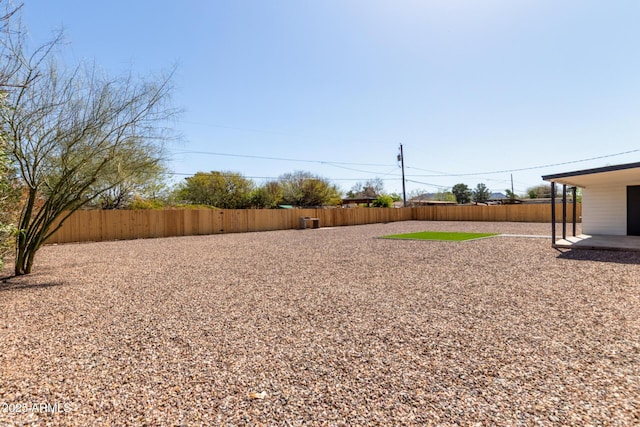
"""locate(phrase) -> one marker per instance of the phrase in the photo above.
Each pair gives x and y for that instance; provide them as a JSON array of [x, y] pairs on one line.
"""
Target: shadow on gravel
[[619, 257], [9, 283]]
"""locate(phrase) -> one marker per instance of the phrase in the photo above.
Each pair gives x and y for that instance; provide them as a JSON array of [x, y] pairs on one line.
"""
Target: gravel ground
[[335, 326]]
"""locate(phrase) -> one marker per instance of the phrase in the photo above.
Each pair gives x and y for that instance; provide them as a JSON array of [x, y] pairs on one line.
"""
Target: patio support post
[[575, 209], [553, 213], [564, 211]]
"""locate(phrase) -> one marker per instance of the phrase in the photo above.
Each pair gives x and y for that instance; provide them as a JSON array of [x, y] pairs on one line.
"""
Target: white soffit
[[628, 174]]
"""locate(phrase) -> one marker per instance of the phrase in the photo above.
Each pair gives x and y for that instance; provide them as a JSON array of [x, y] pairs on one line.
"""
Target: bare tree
[[371, 188], [68, 130]]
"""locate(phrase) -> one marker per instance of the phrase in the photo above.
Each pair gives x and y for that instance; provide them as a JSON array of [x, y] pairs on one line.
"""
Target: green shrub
[[139, 203], [383, 201]]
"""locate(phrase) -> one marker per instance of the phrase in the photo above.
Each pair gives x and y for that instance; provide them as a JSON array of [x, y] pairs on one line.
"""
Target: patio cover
[[586, 177], [616, 174]]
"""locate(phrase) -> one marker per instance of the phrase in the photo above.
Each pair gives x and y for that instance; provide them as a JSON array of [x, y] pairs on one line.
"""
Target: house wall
[[604, 209]]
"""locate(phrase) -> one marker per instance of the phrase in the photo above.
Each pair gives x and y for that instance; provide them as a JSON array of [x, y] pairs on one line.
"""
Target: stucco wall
[[604, 209]]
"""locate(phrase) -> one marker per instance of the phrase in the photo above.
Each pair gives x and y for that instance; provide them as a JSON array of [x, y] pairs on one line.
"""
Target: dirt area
[[335, 326]]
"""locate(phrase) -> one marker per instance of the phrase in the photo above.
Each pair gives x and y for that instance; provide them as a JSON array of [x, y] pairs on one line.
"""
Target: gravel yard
[[335, 326]]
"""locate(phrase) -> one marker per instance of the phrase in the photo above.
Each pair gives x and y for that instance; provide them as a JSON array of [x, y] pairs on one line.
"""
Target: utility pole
[[404, 191], [513, 195]]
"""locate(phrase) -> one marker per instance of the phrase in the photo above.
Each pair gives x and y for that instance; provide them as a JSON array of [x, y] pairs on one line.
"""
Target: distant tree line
[[231, 190], [481, 194]]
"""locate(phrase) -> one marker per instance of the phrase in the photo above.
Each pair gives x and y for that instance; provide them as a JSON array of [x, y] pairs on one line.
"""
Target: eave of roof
[[583, 178]]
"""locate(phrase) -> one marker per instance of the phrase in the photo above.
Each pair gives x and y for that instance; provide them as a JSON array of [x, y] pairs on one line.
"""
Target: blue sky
[[472, 88]]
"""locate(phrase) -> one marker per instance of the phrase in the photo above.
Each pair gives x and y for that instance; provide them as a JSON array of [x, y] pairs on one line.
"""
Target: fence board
[[96, 225]]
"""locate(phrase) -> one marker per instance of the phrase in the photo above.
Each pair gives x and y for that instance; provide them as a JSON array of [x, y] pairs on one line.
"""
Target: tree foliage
[[123, 185], [267, 196], [481, 193], [462, 193], [510, 194], [396, 197], [539, 191], [74, 134], [303, 189], [225, 190], [420, 196], [9, 196], [382, 201], [370, 188], [444, 196]]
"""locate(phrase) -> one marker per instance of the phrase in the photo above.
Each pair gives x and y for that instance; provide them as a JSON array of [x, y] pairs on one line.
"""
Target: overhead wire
[[324, 162], [527, 168], [440, 174], [273, 177], [353, 169], [344, 165]]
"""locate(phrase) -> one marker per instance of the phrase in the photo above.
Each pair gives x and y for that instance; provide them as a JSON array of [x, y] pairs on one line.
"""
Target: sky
[[476, 91]]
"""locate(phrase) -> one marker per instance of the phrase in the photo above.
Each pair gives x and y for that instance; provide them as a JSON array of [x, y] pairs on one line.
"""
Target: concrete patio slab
[[606, 242]]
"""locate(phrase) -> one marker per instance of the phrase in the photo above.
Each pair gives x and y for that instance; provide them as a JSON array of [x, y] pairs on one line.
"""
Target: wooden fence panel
[[496, 213], [96, 225], [207, 221], [151, 228]]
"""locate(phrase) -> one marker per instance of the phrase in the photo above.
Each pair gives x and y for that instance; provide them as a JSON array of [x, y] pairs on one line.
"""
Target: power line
[[525, 169], [323, 162], [277, 177], [357, 170], [341, 165], [428, 184], [440, 174]]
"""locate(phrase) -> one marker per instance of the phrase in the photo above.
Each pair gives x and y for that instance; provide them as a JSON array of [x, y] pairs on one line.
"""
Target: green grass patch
[[440, 235]]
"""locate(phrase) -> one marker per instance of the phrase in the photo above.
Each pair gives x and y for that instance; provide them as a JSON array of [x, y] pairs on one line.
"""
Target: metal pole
[[553, 213], [404, 191], [564, 211], [575, 210], [513, 195]]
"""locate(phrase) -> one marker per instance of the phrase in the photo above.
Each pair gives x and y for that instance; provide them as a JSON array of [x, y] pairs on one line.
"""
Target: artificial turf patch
[[440, 235]]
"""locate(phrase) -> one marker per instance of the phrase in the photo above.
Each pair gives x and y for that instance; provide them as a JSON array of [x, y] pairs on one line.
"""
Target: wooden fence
[[97, 225]]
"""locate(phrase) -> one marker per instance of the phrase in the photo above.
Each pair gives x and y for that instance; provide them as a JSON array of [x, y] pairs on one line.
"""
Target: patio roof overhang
[[624, 174]]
